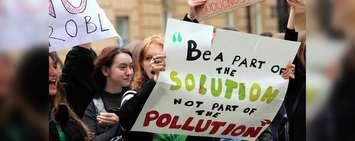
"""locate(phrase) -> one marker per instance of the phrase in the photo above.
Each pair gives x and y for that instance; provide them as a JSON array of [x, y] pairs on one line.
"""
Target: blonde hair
[[140, 74]]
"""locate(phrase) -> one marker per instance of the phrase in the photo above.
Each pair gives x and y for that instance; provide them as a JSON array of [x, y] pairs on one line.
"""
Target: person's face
[[150, 51], [53, 76], [121, 71]]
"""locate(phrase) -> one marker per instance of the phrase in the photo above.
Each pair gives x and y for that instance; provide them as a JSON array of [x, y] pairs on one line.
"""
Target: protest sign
[[216, 7], [222, 84], [74, 22]]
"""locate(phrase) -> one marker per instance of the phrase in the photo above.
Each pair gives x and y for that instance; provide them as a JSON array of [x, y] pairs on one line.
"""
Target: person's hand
[[158, 64], [106, 118], [195, 8], [298, 5], [289, 72]]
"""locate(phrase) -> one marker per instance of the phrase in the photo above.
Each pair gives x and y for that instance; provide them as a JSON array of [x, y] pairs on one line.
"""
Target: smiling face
[[52, 76], [120, 73], [150, 51]]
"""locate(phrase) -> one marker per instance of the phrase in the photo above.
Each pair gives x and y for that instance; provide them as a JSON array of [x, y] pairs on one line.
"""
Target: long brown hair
[[105, 59], [140, 75], [301, 53], [85, 131], [56, 59]]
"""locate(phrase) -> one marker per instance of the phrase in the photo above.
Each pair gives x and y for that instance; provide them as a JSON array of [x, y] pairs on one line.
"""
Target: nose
[[129, 71], [52, 71]]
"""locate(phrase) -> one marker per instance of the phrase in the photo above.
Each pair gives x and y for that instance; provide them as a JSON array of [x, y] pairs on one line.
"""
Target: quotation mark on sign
[[177, 37]]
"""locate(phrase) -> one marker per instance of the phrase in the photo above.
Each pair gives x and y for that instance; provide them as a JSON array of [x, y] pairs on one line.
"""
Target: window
[[122, 29], [167, 9]]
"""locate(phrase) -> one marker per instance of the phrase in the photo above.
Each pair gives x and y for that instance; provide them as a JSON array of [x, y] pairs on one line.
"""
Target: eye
[[148, 58], [55, 66], [122, 66]]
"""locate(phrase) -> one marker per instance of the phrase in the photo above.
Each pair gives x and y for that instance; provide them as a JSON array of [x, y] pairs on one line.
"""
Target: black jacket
[[77, 78], [295, 97], [130, 111]]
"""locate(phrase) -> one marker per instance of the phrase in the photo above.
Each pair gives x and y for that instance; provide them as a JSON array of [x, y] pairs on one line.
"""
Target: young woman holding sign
[[143, 82], [151, 60]]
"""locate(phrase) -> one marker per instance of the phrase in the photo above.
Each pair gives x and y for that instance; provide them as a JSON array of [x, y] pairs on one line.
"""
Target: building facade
[[137, 19]]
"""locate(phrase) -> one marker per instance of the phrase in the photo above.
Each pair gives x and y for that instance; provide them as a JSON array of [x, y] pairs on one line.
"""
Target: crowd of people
[[100, 97]]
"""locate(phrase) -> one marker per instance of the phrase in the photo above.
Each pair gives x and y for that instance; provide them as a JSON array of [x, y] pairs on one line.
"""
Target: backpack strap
[[99, 104], [127, 95]]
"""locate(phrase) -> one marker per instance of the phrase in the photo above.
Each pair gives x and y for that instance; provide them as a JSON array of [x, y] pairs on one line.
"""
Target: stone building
[[137, 19]]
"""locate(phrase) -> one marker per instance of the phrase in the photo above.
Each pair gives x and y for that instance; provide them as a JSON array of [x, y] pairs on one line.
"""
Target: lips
[[52, 81], [127, 79], [52, 84]]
